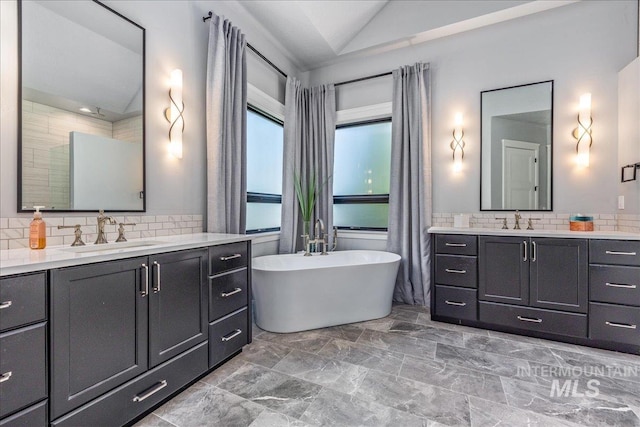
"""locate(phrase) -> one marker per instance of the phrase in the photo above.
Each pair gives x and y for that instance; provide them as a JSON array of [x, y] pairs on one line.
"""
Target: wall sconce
[[174, 114], [457, 144], [583, 132]]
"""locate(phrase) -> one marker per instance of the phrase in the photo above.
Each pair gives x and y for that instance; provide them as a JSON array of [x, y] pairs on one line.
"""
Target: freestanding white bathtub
[[297, 293]]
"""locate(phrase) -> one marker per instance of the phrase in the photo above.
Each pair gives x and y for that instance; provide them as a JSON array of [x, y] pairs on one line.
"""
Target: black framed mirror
[[81, 127], [516, 169]]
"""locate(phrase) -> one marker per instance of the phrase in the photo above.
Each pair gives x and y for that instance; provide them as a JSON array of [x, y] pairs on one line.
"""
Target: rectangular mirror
[[81, 116], [517, 148]]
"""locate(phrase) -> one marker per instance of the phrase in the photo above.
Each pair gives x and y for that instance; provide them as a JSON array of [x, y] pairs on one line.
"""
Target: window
[[361, 174], [264, 172]]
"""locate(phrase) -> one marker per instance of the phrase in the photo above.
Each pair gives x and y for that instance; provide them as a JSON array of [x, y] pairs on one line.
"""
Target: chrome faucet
[[319, 238], [102, 219], [518, 218]]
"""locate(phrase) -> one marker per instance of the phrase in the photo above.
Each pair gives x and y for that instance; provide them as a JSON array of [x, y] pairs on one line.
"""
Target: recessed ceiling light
[[85, 110]]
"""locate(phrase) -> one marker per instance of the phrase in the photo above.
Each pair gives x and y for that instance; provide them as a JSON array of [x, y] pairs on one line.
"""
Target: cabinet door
[[503, 269], [559, 274], [98, 330], [177, 303]]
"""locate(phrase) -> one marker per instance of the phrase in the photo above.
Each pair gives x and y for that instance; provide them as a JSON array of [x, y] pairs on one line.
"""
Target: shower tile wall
[[14, 232], [45, 149]]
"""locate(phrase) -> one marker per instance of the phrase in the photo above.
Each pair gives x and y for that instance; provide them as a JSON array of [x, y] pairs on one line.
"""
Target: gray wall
[[581, 46]]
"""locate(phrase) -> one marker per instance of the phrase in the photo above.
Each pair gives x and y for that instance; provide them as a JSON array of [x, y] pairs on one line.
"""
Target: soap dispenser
[[37, 230]]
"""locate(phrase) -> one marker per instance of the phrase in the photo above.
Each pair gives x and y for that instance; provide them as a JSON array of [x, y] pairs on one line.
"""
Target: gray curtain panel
[[410, 190], [226, 110], [309, 133]]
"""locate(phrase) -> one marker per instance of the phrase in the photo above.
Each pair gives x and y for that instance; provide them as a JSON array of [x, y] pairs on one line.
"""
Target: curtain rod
[[261, 56], [388, 73]]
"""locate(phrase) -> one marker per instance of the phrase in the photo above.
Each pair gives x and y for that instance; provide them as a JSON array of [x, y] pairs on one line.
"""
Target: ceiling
[[316, 33]]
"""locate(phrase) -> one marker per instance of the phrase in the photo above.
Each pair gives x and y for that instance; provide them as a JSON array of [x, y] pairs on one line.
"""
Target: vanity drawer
[[227, 336], [456, 244], [617, 252], [617, 285], [614, 323], [458, 303], [228, 257], [227, 293], [34, 416], [23, 367], [457, 270], [534, 319], [22, 300], [126, 402]]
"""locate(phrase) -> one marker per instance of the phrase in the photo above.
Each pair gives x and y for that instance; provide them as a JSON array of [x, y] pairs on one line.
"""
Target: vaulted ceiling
[[321, 32]]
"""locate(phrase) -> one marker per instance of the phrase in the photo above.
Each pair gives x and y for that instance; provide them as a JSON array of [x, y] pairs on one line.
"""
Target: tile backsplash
[[545, 221], [14, 232]]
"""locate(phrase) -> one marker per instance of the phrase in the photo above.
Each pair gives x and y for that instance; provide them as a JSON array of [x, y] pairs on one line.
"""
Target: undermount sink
[[111, 246]]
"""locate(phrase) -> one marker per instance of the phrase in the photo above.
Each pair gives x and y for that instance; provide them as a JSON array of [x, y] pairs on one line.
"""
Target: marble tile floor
[[406, 370]]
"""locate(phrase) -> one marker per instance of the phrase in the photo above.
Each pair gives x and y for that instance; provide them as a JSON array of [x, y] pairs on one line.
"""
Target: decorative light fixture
[[583, 132], [457, 144], [174, 114]]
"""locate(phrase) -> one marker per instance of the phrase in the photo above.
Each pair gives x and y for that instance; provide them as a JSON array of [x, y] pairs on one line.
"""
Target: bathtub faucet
[[319, 238]]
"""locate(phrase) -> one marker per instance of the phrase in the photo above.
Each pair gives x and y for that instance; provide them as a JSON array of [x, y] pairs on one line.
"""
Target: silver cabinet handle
[[153, 390], [456, 303], [620, 325], [620, 253], [534, 251], [619, 285], [524, 245], [5, 304], [230, 257], [228, 294], [456, 245], [5, 377], [231, 336], [156, 288], [449, 270], [145, 291], [529, 319]]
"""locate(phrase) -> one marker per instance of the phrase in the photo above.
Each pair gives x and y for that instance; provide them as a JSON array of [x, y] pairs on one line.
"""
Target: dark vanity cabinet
[[575, 289], [23, 350], [127, 334], [614, 300], [229, 300], [537, 284]]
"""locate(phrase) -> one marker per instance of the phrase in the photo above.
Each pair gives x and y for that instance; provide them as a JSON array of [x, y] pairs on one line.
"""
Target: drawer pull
[[5, 304], [145, 291], [5, 377], [232, 336], [620, 325], [456, 303], [456, 245], [620, 253], [228, 294], [529, 319], [618, 285], [230, 257], [153, 390], [156, 288], [449, 270]]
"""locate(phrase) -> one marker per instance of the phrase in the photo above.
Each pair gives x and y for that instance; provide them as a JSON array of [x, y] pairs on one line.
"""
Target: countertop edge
[[594, 235], [21, 261]]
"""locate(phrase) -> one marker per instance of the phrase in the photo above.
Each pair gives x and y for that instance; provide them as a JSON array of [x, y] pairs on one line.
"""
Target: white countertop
[[607, 235], [15, 261]]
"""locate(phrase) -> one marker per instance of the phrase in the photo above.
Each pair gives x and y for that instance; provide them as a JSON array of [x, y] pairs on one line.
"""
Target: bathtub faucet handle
[[307, 244]]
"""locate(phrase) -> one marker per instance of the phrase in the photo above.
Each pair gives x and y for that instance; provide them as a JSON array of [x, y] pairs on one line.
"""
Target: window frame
[[255, 197], [361, 199]]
